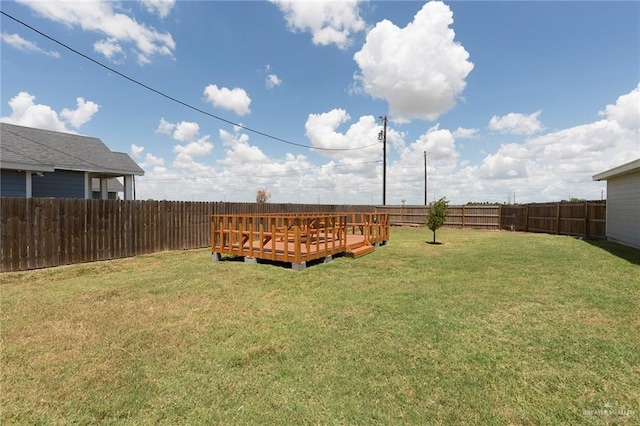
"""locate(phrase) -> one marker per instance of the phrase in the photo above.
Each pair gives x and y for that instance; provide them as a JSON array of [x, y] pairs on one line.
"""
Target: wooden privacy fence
[[474, 217], [585, 219], [46, 232]]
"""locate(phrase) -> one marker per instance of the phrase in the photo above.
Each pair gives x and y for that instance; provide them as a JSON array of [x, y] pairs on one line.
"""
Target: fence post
[[557, 218], [586, 219], [463, 213], [526, 218]]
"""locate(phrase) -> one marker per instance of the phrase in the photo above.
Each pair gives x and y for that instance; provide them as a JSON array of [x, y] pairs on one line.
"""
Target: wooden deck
[[298, 238]]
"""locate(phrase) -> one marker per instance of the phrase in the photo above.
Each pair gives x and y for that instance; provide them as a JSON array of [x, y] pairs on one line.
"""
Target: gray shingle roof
[[44, 149]]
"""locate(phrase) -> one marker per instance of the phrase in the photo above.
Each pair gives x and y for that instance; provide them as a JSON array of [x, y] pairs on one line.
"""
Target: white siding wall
[[623, 209]]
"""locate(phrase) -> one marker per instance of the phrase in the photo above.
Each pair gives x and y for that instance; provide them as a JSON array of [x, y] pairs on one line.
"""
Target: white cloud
[[25, 112], [272, 81], [165, 127], [82, 114], [626, 111], [160, 7], [574, 143], [516, 123], [136, 150], [241, 155], [189, 133], [329, 22], [439, 144], [109, 48], [235, 99], [419, 70], [508, 163], [15, 40], [101, 17], [186, 131], [198, 148], [462, 133], [321, 129], [152, 162]]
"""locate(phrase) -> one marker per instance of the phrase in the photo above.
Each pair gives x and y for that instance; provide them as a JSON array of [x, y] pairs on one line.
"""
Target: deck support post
[[299, 266], [216, 257], [251, 260], [328, 259]]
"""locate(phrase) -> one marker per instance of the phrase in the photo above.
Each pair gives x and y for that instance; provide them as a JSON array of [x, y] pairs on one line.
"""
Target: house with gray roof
[[44, 163]]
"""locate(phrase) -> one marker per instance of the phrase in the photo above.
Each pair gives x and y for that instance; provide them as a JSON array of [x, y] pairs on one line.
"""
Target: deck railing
[[374, 226], [294, 238], [287, 238]]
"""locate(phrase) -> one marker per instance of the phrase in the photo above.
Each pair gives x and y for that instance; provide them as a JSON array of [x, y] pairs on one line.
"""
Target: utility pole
[[425, 178], [382, 136]]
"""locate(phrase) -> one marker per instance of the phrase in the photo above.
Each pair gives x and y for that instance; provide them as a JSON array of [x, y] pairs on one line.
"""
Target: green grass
[[488, 328]]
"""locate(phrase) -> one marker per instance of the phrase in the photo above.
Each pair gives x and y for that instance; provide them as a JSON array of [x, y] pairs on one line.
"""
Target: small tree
[[437, 214], [262, 196]]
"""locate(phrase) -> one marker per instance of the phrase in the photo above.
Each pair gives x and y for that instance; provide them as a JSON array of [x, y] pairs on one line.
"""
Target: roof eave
[[624, 169], [111, 172], [29, 167]]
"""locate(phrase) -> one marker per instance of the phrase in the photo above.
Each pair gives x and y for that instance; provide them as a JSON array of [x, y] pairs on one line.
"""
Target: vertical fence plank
[[28, 235], [82, 228], [54, 207], [126, 226], [6, 210], [13, 226], [23, 227], [15, 234], [14, 243], [37, 234], [139, 229], [63, 209], [113, 229]]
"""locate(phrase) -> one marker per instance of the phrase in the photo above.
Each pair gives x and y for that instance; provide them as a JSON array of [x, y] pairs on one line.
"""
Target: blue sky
[[531, 98]]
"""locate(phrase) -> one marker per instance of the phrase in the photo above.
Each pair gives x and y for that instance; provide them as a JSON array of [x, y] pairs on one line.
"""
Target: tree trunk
[[434, 236]]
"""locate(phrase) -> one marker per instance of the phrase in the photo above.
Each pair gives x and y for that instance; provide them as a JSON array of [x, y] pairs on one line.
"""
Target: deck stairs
[[359, 249]]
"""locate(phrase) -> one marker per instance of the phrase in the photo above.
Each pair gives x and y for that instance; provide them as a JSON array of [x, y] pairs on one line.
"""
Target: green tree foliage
[[437, 215]]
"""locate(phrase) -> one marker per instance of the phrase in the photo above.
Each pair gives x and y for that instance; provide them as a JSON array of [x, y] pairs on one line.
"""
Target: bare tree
[[262, 196]]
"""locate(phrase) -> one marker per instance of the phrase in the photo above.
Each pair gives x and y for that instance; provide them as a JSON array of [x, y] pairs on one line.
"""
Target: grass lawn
[[488, 328]]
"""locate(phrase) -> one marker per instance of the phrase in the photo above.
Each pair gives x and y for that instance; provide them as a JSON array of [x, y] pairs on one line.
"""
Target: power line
[[171, 98]]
